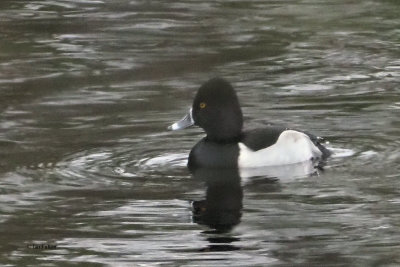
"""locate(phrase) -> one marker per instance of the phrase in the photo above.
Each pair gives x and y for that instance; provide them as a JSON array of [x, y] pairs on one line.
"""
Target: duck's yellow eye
[[203, 105]]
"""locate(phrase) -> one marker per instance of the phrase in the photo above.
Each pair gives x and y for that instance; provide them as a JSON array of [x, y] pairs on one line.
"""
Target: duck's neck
[[226, 126], [224, 139]]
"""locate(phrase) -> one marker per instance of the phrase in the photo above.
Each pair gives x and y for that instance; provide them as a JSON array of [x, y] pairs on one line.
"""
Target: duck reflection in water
[[222, 208]]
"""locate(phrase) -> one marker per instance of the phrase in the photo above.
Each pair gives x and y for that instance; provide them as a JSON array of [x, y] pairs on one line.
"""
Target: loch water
[[90, 175]]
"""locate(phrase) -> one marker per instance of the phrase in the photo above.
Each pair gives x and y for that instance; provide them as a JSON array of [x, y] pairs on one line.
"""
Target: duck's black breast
[[211, 154]]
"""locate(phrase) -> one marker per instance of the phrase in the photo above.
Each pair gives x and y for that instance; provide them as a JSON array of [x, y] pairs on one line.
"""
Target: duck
[[216, 109]]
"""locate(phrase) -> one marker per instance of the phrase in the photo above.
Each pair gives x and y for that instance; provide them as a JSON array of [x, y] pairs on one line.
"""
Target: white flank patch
[[291, 147]]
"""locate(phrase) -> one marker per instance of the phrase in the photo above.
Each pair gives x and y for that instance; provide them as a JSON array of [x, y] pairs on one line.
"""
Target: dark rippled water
[[88, 169]]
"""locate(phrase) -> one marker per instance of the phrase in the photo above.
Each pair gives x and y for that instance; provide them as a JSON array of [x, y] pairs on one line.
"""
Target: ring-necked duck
[[216, 109]]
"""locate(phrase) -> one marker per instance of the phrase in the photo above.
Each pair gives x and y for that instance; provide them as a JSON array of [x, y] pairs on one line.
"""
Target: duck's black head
[[216, 109]]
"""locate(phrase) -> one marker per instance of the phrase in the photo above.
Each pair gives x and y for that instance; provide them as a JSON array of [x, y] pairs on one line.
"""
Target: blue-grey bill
[[185, 122]]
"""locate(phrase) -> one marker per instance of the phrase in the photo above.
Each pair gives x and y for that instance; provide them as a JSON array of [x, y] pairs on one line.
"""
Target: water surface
[[87, 89]]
